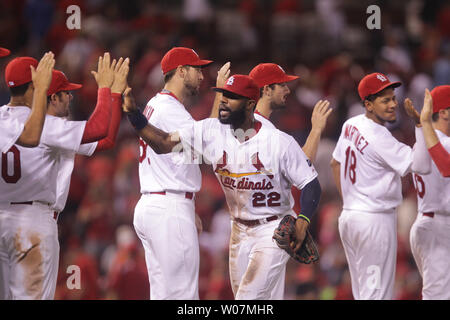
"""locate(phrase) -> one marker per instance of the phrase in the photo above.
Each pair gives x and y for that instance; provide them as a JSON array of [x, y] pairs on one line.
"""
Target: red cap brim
[[4, 52], [72, 86], [201, 63], [390, 84], [222, 90], [288, 78]]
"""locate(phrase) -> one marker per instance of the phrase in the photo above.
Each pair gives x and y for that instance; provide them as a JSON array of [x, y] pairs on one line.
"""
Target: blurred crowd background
[[325, 42]]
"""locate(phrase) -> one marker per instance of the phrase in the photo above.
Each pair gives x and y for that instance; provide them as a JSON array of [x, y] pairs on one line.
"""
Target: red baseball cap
[[374, 83], [61, 83], [180, 56], [4, 52], [268, 73], [18, 71], [441, 98], [241, 85]]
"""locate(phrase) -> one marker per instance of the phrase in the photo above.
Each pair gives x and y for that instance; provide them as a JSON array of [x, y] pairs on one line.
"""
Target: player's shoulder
[[264, 120], [168, 106], [444, 139], [161, 100], [283, 139], [20, 113]]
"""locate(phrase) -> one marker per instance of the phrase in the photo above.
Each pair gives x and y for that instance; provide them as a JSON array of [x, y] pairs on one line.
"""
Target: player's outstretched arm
[[438, 153], [159, 140], [309, 201], [319, 117], [119, 85], [98, 123], [421, 161], [336, 170], [222, 76], [41, 77], [431, 138]]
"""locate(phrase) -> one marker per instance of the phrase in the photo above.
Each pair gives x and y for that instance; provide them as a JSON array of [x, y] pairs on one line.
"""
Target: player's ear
[[368, 105], [266, 90], [181, 71], [251, 104]]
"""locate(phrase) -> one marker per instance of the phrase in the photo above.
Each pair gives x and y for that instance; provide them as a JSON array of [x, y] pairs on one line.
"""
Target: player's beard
[[236, 118], [277, 106], [191, 89]]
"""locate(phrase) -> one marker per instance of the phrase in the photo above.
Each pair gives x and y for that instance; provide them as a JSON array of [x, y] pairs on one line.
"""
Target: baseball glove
[[284, 234]]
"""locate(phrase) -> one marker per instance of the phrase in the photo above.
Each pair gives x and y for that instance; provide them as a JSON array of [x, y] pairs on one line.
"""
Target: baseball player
[[165, 218], [272, 81], [256, 166], [430, 233], [367, 165], [29, 188], [28, 134], [59, 96]]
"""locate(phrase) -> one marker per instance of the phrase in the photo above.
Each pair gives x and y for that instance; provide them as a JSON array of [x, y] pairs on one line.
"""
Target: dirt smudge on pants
[[30, 261]]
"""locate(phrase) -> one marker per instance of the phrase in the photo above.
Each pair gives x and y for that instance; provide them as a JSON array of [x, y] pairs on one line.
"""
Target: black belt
[[252, 223], [188, 195]]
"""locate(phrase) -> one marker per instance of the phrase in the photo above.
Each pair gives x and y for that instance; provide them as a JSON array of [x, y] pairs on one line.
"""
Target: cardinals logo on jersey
[[229, 179]]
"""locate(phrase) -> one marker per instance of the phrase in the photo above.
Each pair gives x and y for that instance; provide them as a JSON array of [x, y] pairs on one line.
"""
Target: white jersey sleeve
[[295, 165], [87, 149], [62, 134], [394, 154]]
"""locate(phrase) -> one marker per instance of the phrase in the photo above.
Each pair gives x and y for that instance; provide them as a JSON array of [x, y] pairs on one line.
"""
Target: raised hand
[[411, 111], [129, 104], [42, 75], [427, 110], [320, 114], [223, 74], [105, 71], [121, 70]]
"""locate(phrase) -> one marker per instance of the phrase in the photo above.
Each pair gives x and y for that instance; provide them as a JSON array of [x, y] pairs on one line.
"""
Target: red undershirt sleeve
[[116, 116], [441, 158], [98, 123]]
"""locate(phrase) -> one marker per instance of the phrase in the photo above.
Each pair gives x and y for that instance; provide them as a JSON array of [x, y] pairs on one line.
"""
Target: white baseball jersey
[[170, 171], [32, 174], [256, 175], [372, 164], [10, 129], [66, 163], [433, 190]]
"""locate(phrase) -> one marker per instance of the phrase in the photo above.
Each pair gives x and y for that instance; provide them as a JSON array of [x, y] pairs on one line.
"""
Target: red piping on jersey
[[172, 95], [116, 116], [257, 112], [98, 123]]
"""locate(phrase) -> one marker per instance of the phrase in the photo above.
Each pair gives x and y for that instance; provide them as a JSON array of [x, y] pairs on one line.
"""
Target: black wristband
[[137, 120]]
